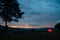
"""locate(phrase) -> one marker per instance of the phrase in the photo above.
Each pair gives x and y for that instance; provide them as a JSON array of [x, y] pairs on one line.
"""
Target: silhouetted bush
[[57, 26], [32, 30]]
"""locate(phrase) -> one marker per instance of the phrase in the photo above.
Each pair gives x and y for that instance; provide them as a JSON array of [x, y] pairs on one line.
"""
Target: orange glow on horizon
[[28, 26], [13, 26], [22, 26]]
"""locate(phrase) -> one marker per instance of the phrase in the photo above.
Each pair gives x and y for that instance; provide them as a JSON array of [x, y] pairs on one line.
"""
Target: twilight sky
[[38, 13]]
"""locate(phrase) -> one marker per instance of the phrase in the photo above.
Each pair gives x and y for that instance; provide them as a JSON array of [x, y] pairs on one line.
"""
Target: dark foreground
[[31, 36]]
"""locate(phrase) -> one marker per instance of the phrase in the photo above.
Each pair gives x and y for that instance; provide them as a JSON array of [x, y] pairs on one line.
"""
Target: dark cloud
[[41, 12]]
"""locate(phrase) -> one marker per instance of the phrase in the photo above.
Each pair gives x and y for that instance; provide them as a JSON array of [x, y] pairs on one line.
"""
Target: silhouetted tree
[[10, 11], [57, 26]]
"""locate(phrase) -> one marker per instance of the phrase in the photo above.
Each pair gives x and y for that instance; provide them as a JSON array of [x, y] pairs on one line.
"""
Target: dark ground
[[43, 35]]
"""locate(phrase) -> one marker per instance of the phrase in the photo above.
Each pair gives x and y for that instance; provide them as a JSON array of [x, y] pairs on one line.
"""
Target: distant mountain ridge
[[26, 29]]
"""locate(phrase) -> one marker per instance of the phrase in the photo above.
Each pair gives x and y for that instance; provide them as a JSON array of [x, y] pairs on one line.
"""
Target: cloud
[[40, 12]]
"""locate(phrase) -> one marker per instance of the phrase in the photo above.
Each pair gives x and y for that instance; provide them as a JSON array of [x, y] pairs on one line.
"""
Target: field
[[43, 35]]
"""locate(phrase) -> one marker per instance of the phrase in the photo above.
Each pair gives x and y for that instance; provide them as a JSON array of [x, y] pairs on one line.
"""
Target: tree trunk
[[6, 24], [6, 19], [6, 27]]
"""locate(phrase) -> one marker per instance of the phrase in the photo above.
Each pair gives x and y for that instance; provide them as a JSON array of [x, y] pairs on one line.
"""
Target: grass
[[43, 35]]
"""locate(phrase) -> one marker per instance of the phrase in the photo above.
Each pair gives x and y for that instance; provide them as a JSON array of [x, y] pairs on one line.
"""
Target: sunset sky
[[38, 14]]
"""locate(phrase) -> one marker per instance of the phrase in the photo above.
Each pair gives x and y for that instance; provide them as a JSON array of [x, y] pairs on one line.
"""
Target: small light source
[[49, 30]]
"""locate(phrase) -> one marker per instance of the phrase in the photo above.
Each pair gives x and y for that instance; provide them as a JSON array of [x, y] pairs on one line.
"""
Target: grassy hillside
[[33, 35], [43, 35]]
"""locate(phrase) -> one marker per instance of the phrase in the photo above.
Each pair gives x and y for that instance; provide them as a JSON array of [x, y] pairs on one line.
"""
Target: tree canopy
[[10, 10]]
